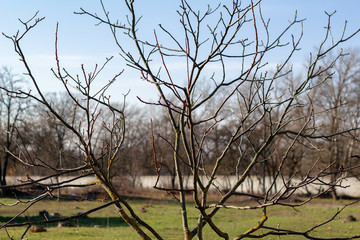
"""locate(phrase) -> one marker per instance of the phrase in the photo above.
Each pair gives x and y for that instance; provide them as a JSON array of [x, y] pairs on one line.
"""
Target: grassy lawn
[[164, 216]]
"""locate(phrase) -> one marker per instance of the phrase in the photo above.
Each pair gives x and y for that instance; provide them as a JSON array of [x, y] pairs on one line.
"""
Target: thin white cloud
[[65, 60]]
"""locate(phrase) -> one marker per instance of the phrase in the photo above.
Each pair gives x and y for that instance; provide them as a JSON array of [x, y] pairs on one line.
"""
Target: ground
[[164, 215]]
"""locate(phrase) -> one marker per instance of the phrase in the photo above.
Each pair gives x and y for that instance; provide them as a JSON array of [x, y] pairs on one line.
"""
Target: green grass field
[[164, 216]]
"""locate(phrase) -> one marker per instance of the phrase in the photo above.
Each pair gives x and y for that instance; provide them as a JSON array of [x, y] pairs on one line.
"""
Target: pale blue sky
[[80, 41]]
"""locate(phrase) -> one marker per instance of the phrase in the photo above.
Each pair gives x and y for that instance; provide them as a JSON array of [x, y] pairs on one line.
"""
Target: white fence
[[252, 184]]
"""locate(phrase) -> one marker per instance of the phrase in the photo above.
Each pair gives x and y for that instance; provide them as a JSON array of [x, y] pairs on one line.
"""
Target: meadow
[[164, 216]]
